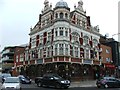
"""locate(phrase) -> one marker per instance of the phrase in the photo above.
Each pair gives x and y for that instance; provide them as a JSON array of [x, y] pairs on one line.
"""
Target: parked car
[[24, 80], [4, 76], [106, 82], [52, 80], [11, 83]]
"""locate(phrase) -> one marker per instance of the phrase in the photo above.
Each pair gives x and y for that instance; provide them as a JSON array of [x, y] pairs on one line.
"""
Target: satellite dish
[[107, 35]]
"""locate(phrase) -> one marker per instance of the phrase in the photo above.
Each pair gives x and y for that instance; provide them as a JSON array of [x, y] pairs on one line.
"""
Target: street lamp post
[[115, 35]]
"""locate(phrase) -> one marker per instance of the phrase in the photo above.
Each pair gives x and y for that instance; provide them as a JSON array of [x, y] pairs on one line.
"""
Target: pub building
[[63, 42]]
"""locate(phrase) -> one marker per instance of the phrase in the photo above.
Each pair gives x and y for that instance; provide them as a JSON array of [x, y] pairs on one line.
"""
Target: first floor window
[[61, 49], [56, 50], [76, 51], [41, 53], [87, 53], [66, 49]]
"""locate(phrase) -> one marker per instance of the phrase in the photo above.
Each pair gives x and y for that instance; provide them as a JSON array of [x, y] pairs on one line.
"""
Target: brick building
[[8, 60], [107, 66]]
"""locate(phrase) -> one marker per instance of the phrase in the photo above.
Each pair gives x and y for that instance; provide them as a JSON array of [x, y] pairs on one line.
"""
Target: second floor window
[[66, 33], [16, 58], [41, 39], [56, 33], [49, 36], [75, 36], [26, 56], [21, 57], [33, 41], [107, 51], [86, 40], [95, 42]]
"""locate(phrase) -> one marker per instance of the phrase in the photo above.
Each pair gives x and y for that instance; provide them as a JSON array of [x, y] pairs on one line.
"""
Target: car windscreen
[[57, 77], [6, 75], [12, 80], [21, 77]]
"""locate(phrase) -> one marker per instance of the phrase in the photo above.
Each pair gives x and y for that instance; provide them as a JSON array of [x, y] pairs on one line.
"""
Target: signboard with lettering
[[87, 61], [40, 61]]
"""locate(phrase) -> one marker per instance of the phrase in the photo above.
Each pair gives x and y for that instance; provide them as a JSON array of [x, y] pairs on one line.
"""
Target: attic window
[[61, 15], [56, 15]]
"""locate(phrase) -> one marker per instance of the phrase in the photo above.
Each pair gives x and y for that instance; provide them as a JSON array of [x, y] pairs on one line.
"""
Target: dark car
[[52, 80], [24, 80], [106, 82]]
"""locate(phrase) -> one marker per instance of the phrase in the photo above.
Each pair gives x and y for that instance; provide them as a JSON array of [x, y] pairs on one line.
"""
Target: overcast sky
[[17, 16]]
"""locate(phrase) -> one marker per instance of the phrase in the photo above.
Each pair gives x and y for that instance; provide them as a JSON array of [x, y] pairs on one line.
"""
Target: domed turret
[[61, 3]]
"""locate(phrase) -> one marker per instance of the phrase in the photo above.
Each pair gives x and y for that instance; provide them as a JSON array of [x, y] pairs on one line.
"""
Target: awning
[[108, 65]]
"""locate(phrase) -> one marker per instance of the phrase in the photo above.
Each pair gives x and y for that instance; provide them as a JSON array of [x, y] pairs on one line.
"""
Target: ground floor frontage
[[72, 71]]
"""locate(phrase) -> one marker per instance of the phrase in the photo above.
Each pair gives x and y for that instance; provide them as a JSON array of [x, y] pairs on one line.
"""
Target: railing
[[7, 59]]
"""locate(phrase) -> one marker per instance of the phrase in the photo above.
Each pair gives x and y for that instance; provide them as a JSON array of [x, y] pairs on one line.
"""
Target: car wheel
[[20, 88], [98, 86], [66, 87], [106, 86], [102, 86], [29, 82], [39, 84], [58, 85]]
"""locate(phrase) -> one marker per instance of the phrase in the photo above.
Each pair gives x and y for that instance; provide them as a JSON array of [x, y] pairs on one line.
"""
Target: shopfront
[[110, 69]]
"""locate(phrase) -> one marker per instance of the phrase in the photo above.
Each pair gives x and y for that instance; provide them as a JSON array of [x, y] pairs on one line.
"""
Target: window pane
[[61, 33], [61, 15]]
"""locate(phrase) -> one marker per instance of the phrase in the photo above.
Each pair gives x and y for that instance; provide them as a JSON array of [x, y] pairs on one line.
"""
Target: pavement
[[87, 83], [0, 85]]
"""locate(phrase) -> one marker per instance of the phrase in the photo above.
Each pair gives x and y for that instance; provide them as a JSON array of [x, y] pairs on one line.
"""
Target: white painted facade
[[60, 21]]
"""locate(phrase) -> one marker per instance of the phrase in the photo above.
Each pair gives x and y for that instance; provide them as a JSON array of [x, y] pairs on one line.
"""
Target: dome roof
[[61, 3]]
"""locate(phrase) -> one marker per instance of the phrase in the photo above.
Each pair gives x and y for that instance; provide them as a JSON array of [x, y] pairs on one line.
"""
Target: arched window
[[75, 36], [66, 33], [86, 40], [66, 15], [56, 15], [95, 42], [61, 15], [56, 34], [61, 33]]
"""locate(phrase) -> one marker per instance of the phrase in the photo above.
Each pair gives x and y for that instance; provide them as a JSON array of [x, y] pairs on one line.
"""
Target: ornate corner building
[[63, 42]]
